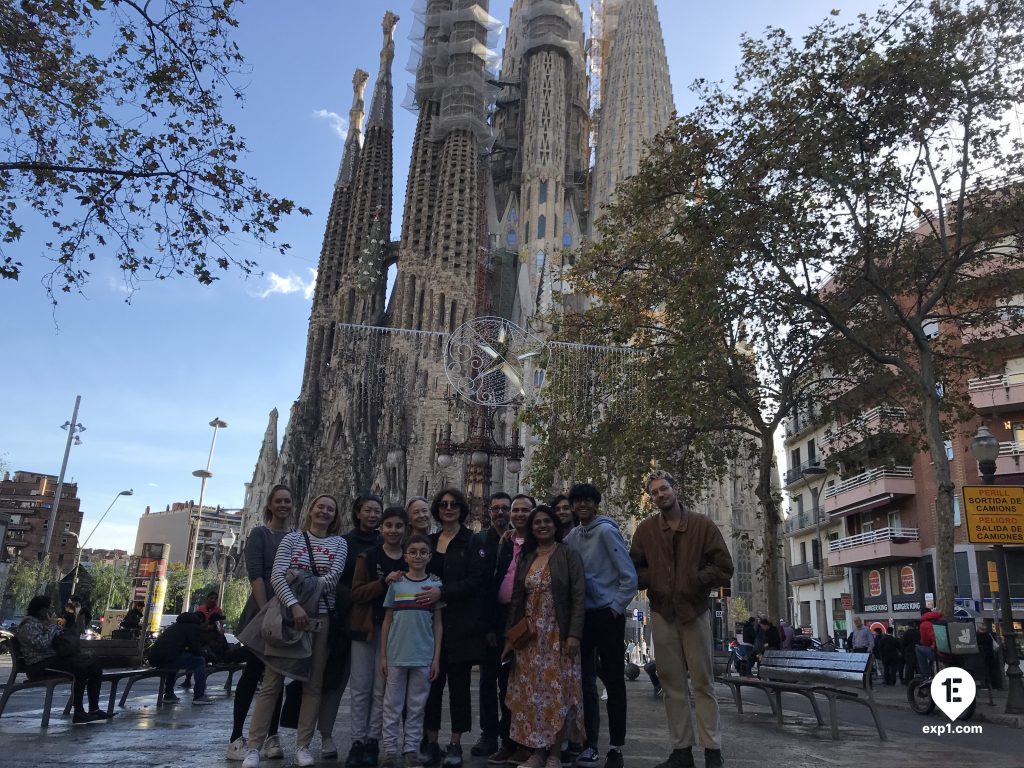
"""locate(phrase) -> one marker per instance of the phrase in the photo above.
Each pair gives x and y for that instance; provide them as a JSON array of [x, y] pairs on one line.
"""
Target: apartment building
[[27, 498]]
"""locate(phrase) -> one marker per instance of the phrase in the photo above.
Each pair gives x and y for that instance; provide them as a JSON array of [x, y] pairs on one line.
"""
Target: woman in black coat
[[460, 566]]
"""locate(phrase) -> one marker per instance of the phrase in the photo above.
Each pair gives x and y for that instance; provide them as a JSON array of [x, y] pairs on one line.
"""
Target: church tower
[[331, 435], [542, 145], [635, 94]]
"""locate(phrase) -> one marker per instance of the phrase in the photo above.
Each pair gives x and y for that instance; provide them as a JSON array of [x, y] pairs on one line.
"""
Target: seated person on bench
[[180, 647], [36, 634]]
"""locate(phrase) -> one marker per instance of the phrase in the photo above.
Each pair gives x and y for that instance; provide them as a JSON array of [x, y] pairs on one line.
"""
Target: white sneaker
[[327, 747], [272, 748], [252, 759], [303, 757], [237, 750]]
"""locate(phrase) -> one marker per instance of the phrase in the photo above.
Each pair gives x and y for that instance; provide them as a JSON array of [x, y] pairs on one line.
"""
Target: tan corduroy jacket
[[680, 568]]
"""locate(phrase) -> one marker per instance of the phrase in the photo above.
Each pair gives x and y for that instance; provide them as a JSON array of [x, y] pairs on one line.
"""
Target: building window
[[542, 194], [542, 226], [956, 509], [949, 449], [894, 519], [931, 329], [512, 238]]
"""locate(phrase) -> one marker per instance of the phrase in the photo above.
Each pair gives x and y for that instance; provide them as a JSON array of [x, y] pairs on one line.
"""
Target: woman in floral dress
[[544, 691]]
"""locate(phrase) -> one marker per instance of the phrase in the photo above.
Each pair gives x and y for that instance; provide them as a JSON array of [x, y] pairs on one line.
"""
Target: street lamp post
[[73, 428], [809, 472], [227, 541], [985, 448], [81, 546], [204, 474]]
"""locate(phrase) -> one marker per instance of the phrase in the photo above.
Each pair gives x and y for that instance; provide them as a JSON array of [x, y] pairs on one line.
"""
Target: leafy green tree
[[868, 175], [111, 587], [236, 593], [114, 134]]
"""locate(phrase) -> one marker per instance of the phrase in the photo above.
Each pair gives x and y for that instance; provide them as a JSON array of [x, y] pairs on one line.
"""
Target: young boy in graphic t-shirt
[[410, 652]]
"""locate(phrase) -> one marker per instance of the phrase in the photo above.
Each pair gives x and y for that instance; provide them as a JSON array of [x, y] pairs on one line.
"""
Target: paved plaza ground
[[195, 737]]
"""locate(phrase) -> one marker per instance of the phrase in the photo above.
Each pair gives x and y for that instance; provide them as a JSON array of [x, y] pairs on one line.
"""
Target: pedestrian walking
[[887, 650], [862, 639], [680, 556], [260, 549], [787, 634], [320, 553], [611, 585], [544, 691], [909, 641], [461, 569], [410, 654]]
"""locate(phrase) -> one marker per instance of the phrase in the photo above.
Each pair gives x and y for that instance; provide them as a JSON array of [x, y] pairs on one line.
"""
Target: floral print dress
[[544, 690]]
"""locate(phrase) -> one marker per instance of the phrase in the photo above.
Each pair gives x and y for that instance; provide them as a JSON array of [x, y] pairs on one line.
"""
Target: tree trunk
[[771, 562], [943, 499]]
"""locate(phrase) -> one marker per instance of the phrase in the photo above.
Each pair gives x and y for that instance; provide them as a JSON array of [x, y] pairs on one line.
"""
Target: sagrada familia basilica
[[512, 160]]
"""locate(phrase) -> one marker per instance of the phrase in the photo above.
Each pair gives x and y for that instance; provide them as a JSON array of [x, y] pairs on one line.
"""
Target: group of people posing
[[404, 604]]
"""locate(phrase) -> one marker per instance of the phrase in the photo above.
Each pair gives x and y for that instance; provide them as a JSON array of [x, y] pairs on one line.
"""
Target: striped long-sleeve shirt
[[329, 555]]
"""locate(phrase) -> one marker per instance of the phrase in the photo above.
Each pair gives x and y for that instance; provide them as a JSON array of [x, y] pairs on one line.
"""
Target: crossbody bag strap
[[313, 569]]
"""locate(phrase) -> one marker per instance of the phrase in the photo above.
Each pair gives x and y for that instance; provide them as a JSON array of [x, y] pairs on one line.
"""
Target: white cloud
[[338, 123], [291, 284]]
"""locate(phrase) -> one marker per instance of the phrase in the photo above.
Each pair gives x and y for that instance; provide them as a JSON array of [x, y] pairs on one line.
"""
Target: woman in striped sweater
[[328, 551]]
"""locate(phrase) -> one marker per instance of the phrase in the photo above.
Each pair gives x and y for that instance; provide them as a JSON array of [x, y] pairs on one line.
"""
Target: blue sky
[[152, 374]]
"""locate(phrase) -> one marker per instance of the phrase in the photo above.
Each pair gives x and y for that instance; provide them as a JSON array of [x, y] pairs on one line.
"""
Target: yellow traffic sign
[[994, 514]]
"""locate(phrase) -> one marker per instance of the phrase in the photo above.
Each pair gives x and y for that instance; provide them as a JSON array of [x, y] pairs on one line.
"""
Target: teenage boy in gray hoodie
[[611, 584]]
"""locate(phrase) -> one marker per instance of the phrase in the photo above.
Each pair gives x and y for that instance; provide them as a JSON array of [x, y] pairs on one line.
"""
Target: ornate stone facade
[[498, 195]]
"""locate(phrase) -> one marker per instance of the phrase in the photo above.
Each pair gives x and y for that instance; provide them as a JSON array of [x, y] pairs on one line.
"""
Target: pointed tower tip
[[359, 79], [381, 107]]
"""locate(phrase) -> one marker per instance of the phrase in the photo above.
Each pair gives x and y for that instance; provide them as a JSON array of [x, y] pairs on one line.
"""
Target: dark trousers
[[192, 663], [495, 716], [245, 691], [457, 677], [88, 678], [891, 670], [602, 655]]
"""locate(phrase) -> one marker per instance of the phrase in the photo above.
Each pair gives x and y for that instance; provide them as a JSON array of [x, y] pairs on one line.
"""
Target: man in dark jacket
[[887, 651], [180, 647], [497, 599], [911, 637], [498, 507]]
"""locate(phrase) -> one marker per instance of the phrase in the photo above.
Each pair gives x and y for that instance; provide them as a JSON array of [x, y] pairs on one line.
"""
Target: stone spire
[[635, 94], [354, 140], [369, 229]]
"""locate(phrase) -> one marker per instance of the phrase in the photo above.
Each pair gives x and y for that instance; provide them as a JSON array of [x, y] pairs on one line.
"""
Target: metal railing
[[873, 537], [1004, 380], [1011, 448], [805, 520], [796, 473], [878, 473], [880, 414]]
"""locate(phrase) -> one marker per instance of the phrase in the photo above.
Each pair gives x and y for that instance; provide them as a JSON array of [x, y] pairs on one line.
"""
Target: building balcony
[[1010, 460], [884, 545], [882, 419], [794, 426], [807, 572], [993, 394], [796, 474], [868, 490], [797, 523], [19, 527]]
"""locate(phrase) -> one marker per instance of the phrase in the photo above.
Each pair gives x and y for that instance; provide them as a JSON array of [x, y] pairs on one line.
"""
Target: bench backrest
[[821, 667], [17, 659]]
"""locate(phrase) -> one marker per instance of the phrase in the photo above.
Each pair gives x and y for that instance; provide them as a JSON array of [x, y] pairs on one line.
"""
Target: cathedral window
[[542, 226], [511, 237], [542, 194]]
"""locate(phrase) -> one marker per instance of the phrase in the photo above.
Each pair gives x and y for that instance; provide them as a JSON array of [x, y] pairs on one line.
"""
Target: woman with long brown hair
[[317, 550], [260, 549]]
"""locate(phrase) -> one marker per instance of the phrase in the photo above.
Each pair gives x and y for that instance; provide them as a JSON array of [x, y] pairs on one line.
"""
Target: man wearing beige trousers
[[680, 556]]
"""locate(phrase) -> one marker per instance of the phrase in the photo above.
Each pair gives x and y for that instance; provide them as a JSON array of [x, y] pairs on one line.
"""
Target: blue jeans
[[197, 666], [925, 660]]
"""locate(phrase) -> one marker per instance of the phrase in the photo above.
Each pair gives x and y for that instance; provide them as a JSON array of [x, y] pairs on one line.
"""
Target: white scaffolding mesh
[[453, 58], [550, 24]]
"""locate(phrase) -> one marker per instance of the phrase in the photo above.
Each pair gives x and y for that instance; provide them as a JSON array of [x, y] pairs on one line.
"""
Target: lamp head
[[985, 445]]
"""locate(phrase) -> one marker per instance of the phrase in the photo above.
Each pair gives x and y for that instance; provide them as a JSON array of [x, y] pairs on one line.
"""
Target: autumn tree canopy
[[114, 142]]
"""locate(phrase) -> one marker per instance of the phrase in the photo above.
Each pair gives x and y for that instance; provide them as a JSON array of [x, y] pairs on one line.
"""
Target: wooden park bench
[[835, 676]]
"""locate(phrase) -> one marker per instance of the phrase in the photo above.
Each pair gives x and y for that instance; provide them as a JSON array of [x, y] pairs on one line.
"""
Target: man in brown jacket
[[680, 556]]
